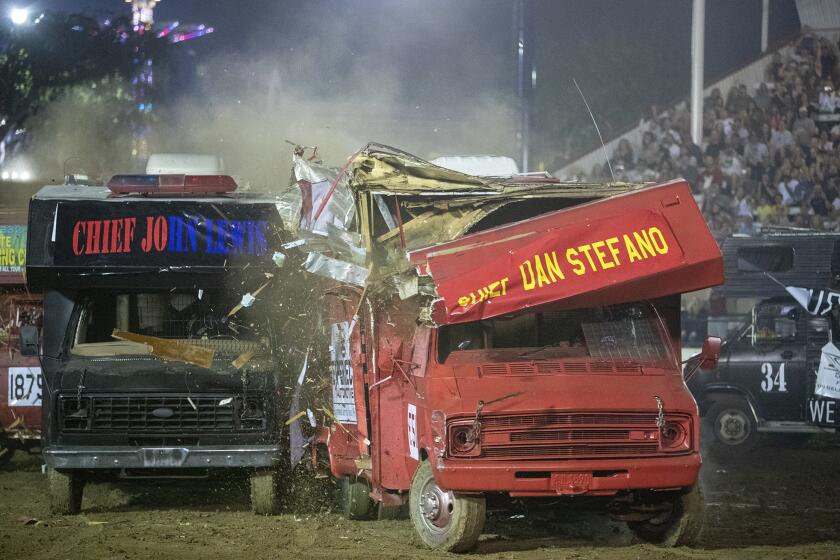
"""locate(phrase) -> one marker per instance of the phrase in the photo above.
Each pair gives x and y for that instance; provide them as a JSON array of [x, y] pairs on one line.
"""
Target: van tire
[[731, 429], [66, 489], [356, 503], [680, 527], [265, 499], [444, 520], [7, 448]]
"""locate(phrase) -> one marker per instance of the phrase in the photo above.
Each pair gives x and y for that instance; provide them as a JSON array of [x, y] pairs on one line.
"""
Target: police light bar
[[171, 184]]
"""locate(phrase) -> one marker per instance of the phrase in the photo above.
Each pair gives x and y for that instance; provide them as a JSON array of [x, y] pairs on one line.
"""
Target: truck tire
[[265, 499], [444, 520], [7, 449], [730, 427], [356, 502], [679, 526], [66, 488]]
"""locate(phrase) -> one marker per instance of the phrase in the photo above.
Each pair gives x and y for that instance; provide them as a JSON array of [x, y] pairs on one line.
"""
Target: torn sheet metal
[[655, 240], [326, 198], [340, 271]]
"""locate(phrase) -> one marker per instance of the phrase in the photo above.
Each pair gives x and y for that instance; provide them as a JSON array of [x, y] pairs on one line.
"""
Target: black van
[[765, 379], [163, 321]]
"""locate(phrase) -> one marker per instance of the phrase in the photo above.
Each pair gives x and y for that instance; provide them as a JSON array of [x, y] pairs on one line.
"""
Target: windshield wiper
[[536, 350]]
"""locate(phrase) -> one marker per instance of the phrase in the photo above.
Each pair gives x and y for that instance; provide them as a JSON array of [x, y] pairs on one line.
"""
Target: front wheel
[[732, 427], [444, 520], [355, 499], [7, 449], [678, 524], [265, 499], [66, 488]]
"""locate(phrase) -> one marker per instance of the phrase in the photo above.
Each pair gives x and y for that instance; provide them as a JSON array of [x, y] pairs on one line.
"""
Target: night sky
[[433, 34], [432, 76]]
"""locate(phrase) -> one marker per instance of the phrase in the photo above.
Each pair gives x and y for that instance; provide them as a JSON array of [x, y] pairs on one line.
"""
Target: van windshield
[[621, 333], [195, 317]]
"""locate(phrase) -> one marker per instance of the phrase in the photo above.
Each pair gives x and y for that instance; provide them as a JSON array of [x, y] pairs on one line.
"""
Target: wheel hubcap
[[733, 426], [436, 506]]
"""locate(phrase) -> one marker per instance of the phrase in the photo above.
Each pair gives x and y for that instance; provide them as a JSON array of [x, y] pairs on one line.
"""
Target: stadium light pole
[[765, 24], [524, 84], [698, 31]]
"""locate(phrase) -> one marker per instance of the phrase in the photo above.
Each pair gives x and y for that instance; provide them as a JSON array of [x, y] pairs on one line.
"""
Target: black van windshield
[[621, 333], [197, 317]]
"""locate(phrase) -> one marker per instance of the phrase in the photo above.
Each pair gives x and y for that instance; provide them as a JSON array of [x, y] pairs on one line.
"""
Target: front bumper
[[539, 478], [124, 457]]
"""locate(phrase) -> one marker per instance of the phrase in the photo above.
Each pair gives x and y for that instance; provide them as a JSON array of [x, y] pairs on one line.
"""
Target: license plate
[[571, 483], [25, 386], [823, 412], [163, 457]]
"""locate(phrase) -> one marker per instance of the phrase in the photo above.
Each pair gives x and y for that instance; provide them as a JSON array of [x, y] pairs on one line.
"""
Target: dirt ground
[[782, 503]]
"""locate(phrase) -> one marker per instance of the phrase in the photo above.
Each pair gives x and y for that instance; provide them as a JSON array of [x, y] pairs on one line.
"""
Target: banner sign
[[12, 248], [816, 302], [532, 268], [344, 395], [166, 234], [828, 374]]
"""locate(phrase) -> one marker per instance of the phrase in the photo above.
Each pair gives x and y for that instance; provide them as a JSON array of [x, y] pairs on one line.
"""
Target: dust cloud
[[337, 83]]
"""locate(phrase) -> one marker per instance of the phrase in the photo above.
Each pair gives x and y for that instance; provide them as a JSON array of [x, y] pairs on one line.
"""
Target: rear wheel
[[66, 488], [444, 520], [732, 427], [678, 524], [265, 499], [7, 449], [356, 502]]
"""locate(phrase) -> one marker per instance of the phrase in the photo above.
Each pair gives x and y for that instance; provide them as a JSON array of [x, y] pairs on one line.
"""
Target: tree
[[44, 60]]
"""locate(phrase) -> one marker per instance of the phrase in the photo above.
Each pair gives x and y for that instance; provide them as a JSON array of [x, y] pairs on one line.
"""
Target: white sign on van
[[413, 448], [828, 374], [25, 384], [344, 397]]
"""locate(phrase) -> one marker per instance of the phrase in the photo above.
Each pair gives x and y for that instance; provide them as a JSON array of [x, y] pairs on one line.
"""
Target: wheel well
[[709, 398]]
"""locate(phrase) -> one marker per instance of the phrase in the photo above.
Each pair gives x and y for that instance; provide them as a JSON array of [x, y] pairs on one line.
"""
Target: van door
[[778, 375]]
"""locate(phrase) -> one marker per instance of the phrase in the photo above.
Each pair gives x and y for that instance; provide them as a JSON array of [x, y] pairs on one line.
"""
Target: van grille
[[161, 413], [569, 435], [557, 367]]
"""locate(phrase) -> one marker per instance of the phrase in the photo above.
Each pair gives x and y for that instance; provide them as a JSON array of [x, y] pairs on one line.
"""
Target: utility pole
[[698, 31]]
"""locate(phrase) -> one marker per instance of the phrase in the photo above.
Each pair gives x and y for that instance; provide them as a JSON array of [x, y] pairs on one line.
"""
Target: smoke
[[400, 75]]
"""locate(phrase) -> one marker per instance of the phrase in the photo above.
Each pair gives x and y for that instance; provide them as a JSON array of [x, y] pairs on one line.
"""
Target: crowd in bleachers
[[771, 151]]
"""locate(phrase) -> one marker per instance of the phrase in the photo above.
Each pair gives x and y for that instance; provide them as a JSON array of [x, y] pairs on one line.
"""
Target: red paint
[[94, 237], [157, 234], [643, 244]]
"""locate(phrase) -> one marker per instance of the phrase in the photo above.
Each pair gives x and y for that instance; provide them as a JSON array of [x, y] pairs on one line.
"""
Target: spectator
[[818, 202], [765, 159], [804, 127]]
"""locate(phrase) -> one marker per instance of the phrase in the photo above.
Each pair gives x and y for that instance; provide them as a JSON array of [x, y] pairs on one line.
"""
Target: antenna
[[598, 130]]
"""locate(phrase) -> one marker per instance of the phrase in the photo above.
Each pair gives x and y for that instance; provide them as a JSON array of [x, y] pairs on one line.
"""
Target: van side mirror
[[710, 354], [29, 340]]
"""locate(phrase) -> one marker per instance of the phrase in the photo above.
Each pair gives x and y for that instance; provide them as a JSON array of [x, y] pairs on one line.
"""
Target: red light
[[171, 184]]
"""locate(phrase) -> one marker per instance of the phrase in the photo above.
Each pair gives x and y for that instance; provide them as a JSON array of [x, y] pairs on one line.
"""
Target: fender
[[728, 388]]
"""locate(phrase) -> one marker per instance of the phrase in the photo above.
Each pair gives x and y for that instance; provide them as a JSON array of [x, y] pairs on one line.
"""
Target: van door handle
[[788, 354]]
